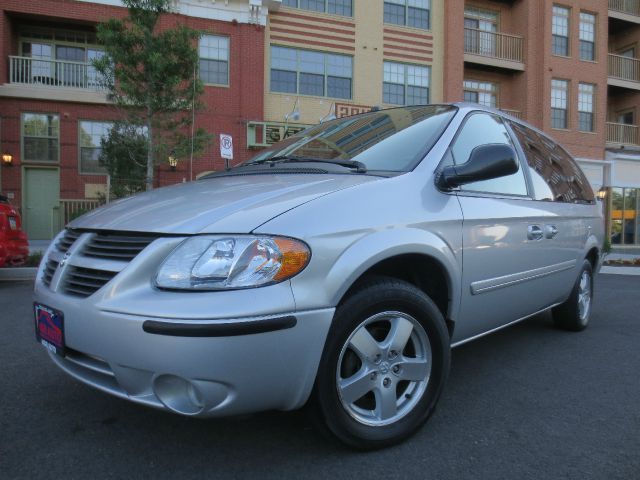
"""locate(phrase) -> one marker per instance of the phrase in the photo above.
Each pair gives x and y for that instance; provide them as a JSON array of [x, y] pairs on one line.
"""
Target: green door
[[41, 213]]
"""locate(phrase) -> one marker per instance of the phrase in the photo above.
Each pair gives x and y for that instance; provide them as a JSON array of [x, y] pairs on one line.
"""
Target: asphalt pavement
[[529, 402]]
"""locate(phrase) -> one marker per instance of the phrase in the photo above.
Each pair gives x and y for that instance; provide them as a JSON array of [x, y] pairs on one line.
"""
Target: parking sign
[[226, 146]]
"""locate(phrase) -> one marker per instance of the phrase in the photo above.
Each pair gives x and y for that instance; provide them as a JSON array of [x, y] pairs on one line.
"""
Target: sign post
[[226, 149]]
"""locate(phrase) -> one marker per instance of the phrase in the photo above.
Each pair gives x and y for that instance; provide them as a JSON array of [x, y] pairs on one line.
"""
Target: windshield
[[393, 140]]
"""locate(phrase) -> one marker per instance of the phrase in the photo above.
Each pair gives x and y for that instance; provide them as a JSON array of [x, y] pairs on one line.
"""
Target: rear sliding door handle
[[550, 231], [534, 232]]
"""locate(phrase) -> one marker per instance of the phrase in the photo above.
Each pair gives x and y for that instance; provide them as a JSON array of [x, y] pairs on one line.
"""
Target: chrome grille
[[85, 281], [69, 238], [49, 271], [116, 246]]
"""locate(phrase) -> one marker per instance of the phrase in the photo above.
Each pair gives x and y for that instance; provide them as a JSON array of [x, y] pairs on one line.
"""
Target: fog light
[[178, 394]]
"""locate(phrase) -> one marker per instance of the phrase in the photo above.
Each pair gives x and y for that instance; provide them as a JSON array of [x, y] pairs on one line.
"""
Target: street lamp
[[173, 161], [7, 158], [602, 193]]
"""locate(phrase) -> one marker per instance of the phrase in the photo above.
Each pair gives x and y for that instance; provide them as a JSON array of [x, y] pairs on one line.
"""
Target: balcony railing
[[513, 113], [631, 7], [54, 73], [494, 45], [75, 207], [624, 68], [623, 134]]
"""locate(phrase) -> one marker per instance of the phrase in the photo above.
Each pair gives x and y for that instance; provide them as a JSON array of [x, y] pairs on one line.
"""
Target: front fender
[[375, 247]]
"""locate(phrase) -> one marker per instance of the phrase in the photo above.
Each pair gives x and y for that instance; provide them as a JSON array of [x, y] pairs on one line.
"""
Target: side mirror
[[486, 162]]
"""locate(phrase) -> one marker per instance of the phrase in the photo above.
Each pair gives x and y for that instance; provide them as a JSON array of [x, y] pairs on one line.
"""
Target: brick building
[[569, 67], [53, 113]]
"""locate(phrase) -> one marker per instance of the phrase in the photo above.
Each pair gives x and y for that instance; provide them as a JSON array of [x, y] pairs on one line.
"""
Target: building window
[[413, 13], [587, 36], [311, 73], [405, 84], [483, 93], [560, 31], [336, 7], [91, 135], [625, 216], [40, 137], [214, 59], [559, 100], [480, 27], [586, 94]]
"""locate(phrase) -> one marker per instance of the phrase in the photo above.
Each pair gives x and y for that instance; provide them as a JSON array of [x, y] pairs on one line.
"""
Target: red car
[[14, 247]]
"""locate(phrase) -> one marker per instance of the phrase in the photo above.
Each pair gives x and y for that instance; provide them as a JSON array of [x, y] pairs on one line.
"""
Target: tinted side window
[[555, 175], [483, 129]]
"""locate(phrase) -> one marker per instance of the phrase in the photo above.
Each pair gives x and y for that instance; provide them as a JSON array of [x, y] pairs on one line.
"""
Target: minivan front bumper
[[219, 368], [196, 353]]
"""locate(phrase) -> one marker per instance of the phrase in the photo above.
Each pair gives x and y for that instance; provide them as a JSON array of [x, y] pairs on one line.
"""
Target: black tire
[[403, 304], [571, 315]]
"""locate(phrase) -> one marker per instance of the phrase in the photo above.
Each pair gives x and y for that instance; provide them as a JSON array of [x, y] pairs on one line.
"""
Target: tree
[[150, 75], [124, 155]]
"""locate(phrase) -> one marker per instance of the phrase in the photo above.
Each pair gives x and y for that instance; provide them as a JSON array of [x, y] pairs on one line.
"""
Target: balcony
[[624, 72], [53, 79], [494, 49], [514, 113], [627, 10], [621, 134]]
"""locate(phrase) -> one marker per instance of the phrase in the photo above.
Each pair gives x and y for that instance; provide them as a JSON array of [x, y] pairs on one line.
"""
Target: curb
[[620, 270], [18, 274]]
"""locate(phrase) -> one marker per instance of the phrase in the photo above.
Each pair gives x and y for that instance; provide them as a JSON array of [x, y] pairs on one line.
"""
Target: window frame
[[568, 36], [594, 43], [571, 160], [298, 72], [325, 11], [516, 148], [567, 108], [228, 38], [406, 7], [495, 92], [80, 147], [406, 84], [593, 112], [22, 138]]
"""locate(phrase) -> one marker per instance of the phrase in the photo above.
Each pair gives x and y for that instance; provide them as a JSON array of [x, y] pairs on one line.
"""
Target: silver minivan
[[336, 269]]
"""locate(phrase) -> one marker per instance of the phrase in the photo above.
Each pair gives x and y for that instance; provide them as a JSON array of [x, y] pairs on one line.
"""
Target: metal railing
[[624, 68], [513, 113], [631, 7], [73, 208], [54, 73], [493, 44], [623, 134]]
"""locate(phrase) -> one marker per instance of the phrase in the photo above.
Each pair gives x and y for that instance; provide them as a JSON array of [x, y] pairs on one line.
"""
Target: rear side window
[[483, 129], [555, 175]]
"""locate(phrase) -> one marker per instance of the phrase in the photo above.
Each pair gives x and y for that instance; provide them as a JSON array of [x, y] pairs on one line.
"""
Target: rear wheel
[[384, 365], [575, 313]]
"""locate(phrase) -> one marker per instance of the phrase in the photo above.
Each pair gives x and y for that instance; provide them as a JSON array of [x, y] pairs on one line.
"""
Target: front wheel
[[384, 365], [575, 313]]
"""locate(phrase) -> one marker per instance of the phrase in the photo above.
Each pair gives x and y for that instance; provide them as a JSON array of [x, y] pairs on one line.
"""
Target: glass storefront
[[625, 216]]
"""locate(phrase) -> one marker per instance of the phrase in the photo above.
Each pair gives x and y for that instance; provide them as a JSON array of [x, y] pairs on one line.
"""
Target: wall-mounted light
[[602, 193], [7, 158], [173, 161]]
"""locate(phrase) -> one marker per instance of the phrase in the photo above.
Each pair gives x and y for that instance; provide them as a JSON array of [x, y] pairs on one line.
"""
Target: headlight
[[227, 262]]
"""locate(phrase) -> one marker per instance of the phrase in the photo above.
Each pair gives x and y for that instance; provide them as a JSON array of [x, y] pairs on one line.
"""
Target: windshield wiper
[[354, 164]]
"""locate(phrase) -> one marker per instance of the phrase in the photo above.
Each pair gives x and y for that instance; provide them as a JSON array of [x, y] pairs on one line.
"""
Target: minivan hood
[[226, 204]]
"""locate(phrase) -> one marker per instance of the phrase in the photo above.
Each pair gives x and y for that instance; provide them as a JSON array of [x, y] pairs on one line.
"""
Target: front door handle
[[534, 232], [550, 231]]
